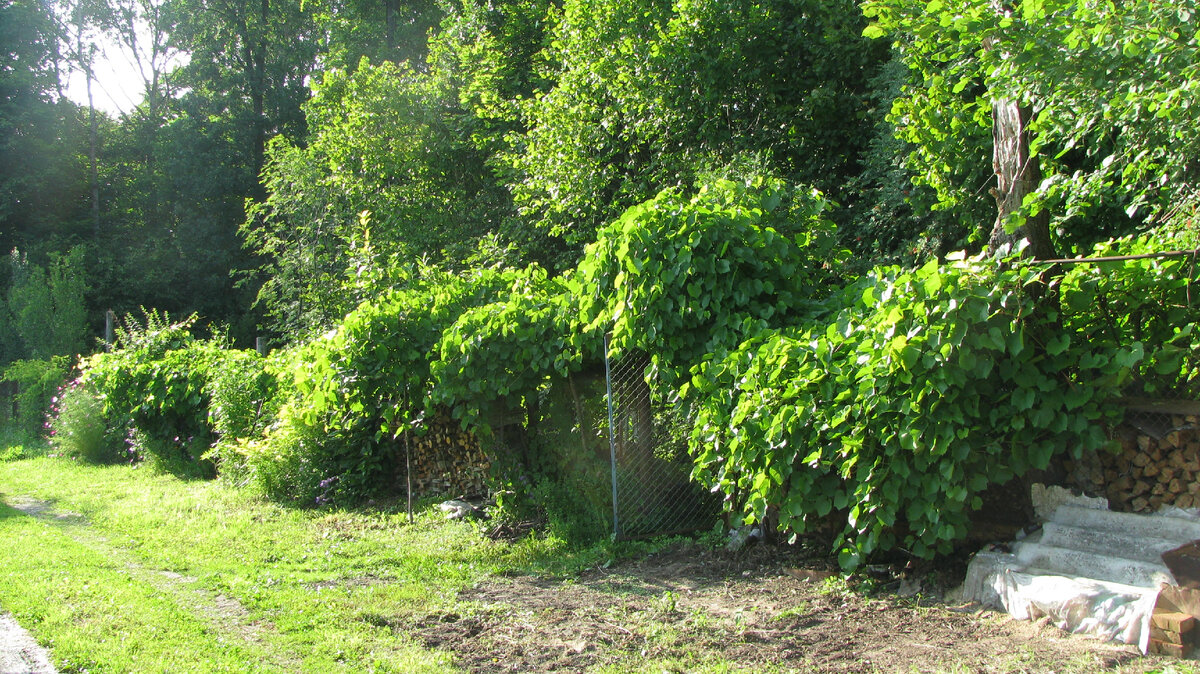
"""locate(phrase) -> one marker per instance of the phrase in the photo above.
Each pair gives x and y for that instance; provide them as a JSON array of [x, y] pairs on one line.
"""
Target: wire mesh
[[653, 493]]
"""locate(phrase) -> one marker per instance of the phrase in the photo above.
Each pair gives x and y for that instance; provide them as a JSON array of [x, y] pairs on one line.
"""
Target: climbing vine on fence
[[498, 354], [681, 278], [928, 386]]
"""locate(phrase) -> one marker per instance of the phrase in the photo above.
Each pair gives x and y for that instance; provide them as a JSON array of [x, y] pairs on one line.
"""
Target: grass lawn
[[119, 569]]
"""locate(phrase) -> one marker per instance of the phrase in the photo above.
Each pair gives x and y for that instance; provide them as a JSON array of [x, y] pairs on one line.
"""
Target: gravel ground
[[19, 653]]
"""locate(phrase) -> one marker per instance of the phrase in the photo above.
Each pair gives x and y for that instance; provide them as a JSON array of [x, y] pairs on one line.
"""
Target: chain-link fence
[[652, 490]]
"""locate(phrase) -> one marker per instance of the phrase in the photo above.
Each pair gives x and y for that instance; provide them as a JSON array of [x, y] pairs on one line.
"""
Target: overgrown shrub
[[246, 392], [47, 306], [678, 277], [928, 386], [495, 358], [682, 278], [361, 385], [1151, 301], [154, 382], [288, 464]]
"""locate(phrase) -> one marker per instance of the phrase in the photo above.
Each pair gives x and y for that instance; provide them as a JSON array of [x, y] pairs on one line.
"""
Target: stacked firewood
[[1171, 633], [1158, 464], [446, 460]]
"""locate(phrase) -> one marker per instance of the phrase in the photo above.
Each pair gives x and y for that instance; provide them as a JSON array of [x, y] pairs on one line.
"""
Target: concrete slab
[[1088, 569], [1129, 545]]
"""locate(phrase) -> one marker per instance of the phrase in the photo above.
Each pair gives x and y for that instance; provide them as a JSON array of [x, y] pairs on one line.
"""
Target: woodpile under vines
[[446, 461], [1157, 465]]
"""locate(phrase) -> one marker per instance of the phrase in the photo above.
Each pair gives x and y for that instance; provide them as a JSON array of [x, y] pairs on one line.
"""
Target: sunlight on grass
[[308, 576], [119, 569]]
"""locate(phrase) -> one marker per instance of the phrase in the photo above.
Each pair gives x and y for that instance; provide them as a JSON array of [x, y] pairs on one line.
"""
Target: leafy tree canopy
[[1112, 86], [383, 181], [651, 94]]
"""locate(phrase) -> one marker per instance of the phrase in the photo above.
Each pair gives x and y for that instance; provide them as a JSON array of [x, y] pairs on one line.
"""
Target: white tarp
[[1053, 581], [1078, 605]]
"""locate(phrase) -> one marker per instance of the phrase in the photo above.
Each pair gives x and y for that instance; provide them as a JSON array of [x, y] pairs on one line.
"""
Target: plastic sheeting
[[1105, 610]]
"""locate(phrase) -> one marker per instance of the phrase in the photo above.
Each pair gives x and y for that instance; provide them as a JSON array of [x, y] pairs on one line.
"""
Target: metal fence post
[[612, 438]]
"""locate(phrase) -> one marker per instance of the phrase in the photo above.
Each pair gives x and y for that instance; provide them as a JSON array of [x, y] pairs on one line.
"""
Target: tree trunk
[[93, 143], [258, 93], [635, 416], [94, 172], [391, 13], [1017, 174]]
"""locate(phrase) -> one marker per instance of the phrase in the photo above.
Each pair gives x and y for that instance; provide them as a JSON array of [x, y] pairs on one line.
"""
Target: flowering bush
[[79, 428], [154, 383]]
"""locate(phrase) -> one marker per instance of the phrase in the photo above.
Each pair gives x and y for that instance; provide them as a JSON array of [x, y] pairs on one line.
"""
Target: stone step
[[1182, 529], [1084, 564], [1131, 544]]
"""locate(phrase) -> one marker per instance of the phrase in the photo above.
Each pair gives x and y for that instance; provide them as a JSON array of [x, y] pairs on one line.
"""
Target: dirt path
[[19, 653]]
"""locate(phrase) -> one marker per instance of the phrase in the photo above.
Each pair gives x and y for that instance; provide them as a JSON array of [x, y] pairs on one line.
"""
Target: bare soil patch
[[757, 610]]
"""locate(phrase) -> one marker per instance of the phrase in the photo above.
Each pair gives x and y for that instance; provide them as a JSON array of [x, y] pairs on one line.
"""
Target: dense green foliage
[[929, 385], [46, 306], [37, 381], [683, 278], [384, 172], [441, 208], [43, 329], [361, 385], [497, 355], [152, 386], [43, 141], [1112, 88], [245, 392], [653, 94]]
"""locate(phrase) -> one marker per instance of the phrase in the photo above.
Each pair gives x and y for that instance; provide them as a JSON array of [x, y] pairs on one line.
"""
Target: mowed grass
[[119, 569]]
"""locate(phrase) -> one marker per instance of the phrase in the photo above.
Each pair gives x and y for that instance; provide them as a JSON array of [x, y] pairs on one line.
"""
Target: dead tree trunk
[[1018, 174]]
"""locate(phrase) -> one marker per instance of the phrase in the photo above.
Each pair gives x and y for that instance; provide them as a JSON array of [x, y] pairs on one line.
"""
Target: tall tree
[[143, 29], [379, 30], [657, 93], [249, 64], [186, 159], [43, 175], [385, 179]]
